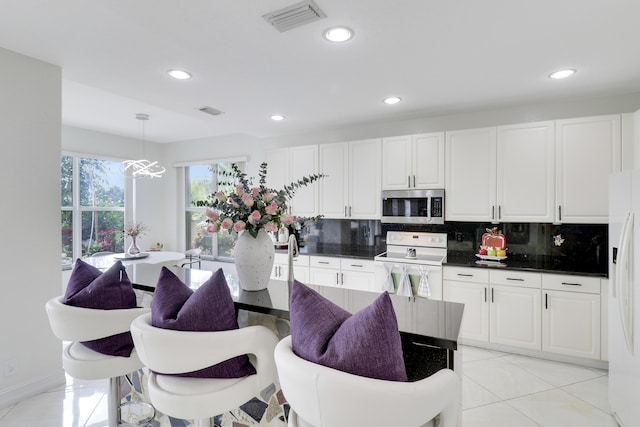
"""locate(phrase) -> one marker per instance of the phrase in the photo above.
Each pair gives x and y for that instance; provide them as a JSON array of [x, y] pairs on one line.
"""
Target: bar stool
[[72, 325], [193, 257], [168, 352]]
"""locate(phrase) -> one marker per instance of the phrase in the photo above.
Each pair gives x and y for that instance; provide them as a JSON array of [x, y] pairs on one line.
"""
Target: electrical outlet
[[10, 368]]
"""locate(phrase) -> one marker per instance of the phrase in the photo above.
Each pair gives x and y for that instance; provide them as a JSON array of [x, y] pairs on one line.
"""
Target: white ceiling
[[440, 56]]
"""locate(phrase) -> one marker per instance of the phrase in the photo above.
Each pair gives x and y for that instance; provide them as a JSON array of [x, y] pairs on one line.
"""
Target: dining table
[[105, 261], [429, 343]]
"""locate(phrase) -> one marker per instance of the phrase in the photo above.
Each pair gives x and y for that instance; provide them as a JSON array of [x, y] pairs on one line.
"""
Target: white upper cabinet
[[351, 188], [470, 190], [413, 161], [333, 187], [364, 179], [304, 162], [525, 174], [278, 164], [587, 151], [286, 165], [501, 174]]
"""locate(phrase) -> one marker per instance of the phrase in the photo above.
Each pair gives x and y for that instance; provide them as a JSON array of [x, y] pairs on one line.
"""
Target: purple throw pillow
[[207, 309], [89, 287], [366, 343]]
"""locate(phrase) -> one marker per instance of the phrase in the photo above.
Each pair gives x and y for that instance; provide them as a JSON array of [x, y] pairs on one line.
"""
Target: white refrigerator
[[624, 297]]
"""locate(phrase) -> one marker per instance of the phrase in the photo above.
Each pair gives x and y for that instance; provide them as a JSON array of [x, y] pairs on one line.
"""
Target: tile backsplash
[[566, 243]]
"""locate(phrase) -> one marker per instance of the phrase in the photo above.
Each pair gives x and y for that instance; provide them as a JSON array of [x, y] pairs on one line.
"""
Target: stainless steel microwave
[[413, 206]]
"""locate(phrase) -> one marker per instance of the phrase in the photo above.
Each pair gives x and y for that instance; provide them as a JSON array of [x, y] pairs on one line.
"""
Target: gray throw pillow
[[366, 343], [89, 287], [207, 309]]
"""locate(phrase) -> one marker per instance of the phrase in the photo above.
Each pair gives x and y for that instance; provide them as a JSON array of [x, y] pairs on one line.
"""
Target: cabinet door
[[324, 276], [396, 163], [514, 314], [333, 187], [587, 151], [278, 162], [471, 175], [525, 174], [475, 319], [364, 179], [427, 160], [571, 324], [304, 162], [358, 280]]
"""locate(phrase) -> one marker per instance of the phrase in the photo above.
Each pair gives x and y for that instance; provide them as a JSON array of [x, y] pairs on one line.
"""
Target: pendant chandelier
[[142, 168]]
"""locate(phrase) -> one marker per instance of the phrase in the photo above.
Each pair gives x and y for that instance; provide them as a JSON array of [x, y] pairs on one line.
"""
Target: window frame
[[77, 210], [189, 208]]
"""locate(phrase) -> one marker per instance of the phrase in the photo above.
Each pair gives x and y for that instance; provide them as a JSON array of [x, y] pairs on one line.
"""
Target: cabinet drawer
[[563, 282], [462, 274], [324, 262], [350, 264], [516, 278]]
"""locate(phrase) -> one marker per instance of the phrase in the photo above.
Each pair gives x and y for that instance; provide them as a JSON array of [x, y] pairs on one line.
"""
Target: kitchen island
[[429, 328]]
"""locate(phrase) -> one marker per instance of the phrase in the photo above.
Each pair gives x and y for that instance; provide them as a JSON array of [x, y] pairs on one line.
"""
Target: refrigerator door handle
[[624, 283]]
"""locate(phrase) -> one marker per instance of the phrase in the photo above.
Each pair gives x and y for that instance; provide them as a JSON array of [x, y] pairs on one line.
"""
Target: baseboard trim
[[589, 363], [15, 394]]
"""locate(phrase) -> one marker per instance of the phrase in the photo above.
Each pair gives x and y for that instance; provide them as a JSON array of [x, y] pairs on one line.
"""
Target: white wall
[[30, 111]]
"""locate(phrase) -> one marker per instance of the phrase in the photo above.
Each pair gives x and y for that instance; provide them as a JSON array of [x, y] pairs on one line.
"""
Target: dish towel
[[388, 284], [424, 290], [404, 287]]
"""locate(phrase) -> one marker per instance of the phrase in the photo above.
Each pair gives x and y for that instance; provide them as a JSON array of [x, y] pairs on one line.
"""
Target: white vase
[[254, 260]]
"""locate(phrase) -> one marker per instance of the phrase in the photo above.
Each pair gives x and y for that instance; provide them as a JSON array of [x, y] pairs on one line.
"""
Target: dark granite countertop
[[534, 263]]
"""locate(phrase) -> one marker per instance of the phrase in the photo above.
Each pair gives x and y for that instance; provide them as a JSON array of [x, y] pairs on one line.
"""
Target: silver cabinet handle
[[342, 279], [515, 279], [572, 284], [485, 294], [559, 213], [499, 211], [349, 211], [345, 211], [409, 181], [414, 181], [337, 279], [491, 294], [356, 265], [465, 275], [493, 212], [323, 262]]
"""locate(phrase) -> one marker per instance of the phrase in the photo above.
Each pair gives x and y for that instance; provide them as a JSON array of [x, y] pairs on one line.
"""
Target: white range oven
[[412, 264]]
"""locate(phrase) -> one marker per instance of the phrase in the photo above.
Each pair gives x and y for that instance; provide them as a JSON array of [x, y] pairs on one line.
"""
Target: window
[[93, 206], [201, 181]]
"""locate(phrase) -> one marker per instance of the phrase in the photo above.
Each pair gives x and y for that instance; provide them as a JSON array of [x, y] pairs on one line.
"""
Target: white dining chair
[[72, 325], [324, 397], [166, 352]]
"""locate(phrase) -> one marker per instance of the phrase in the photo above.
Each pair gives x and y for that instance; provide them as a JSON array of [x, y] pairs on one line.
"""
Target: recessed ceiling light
[[179, 74], [562, 74], [338, 34], [277, 117], [392, 100]]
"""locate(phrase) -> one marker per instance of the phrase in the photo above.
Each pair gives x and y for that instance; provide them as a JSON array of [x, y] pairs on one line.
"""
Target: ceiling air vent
[[210, 110], [294, 16]]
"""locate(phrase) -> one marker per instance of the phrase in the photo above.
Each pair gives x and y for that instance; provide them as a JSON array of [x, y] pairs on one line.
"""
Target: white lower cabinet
[[514, 316], [280, 269], [554, 313], [571, 316], [469, 286], [342, 272]]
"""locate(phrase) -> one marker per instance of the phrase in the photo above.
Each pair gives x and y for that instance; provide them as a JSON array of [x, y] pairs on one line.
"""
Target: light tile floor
[[498, 390]]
